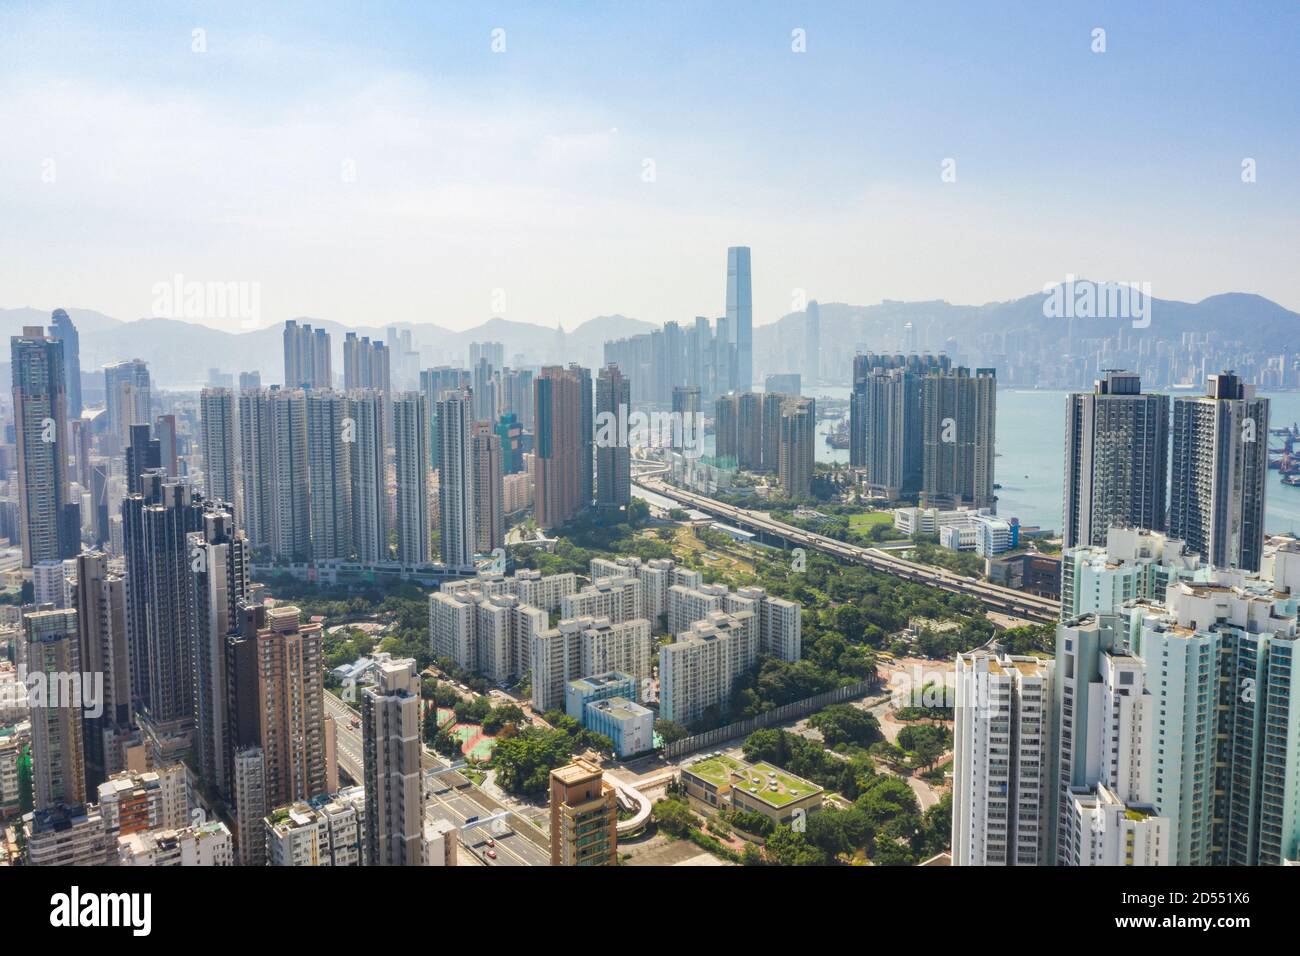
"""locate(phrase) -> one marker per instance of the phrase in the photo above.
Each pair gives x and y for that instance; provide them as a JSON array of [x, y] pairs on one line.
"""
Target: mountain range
[[180, 352]]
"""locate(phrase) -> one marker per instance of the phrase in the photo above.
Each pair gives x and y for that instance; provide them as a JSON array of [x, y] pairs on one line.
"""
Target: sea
[[1031, 454]]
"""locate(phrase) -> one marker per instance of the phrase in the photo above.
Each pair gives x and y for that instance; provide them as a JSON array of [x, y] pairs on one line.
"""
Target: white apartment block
[[1002, 767], [584, 646], [780, 626], [698, 670], [208, 844], [617, 598], [297, 835], [52, 582], [656, 577], [1134, 564], [531, 587], [1183, 704], [484, 632], [1104, 830], [686, 605], [439, 841]]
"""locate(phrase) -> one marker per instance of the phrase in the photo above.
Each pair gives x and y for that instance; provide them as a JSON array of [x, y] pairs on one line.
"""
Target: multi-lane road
[[994, 597]]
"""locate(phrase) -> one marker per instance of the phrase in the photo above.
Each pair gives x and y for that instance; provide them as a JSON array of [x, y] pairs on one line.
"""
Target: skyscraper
[[290, 675], [104, 649], [958, 411], [257, 490], [61, 328], [221, 565], [164, 429], [390, 729], [457, 511], [290, 487], [812, 342], [369, 488], [1116, 451], [561, 444], [160, 601], [307, 360], [40, 427], [217, 440], [740, 316], [614, 458], [886, 429], [1002, 761], [366, 364], [1220, 461], [331, 431], [128, 399], [798, 433], [143, 454], [411, 443], [489, 499], [54, 655]]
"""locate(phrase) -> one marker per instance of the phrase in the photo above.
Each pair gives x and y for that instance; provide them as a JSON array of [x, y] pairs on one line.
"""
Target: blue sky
[[377, 162]]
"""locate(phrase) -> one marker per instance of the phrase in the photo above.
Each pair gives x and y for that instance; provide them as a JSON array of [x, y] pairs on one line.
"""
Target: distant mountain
[[1257, 323], [180, 353]]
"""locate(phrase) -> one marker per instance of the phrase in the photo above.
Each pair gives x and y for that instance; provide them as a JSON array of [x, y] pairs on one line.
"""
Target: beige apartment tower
[[584, 817]]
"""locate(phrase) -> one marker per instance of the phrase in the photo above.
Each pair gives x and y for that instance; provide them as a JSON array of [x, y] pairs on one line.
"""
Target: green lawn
[[724, 771], [865, 522]]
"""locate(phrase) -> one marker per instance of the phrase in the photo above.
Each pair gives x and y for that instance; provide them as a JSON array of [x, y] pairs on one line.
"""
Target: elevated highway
[[992, 596]]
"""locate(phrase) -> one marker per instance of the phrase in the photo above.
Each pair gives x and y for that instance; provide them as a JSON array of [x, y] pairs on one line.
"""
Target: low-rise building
[[721, 780], [625, 722]]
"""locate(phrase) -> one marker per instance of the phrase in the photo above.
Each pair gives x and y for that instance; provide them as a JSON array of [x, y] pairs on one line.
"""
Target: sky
[[448, 162]]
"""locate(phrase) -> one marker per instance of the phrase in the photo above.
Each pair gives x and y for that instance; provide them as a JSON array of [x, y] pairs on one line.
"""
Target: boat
[[1292, 480]]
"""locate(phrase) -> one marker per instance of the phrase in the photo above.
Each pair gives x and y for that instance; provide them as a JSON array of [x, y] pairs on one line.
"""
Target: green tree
[[846, 724], [674, 817]]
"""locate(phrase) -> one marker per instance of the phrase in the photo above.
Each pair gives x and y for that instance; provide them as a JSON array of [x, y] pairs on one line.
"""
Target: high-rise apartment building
[[458, 512], [411, 443], [128, 400], [698, 670], [53, 656], [795, 465], [217, 441], [290, 486], [1003, 752], [1220, 464], [221, 564], [331, 433], [1116, 459], [160, 598], [812, 343], [489, 498], [366, 364], [390, 718], [613, 458], [584, 817], [290, 675], [63, 329], [101, 604], [40, 434], [958, 411], [257, 490], [563, 403], [369, 487], [307, 360]]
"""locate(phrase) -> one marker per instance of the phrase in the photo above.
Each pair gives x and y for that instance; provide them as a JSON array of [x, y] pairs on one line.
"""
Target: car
[[491, 842], [491, 854]]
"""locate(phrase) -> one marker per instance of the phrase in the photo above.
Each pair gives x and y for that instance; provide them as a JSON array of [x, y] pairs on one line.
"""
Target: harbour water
[[1031, 453]]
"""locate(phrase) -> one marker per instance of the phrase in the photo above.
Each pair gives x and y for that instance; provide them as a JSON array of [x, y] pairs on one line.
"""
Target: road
[[450, 795], [351, 755], [994, 597]]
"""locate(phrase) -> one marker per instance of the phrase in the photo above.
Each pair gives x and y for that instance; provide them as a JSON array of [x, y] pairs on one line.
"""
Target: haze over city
[[546, 166]]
